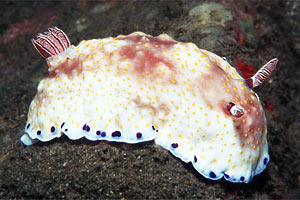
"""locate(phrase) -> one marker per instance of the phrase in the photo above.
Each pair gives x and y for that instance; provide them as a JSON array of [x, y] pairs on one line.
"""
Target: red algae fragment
[[269, 105], [247, 70]]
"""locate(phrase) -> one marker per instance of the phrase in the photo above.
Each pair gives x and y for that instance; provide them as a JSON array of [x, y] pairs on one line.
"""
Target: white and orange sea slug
[[137, 88]]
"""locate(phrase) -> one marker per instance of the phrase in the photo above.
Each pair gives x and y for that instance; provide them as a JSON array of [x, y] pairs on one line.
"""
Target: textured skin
[[137, 88]]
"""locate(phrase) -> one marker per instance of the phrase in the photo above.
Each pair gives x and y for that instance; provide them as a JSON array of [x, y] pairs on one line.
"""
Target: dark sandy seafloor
[[248, 33]]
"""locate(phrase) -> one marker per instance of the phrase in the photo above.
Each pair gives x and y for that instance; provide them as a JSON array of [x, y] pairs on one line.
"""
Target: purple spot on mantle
[[86, 127], [195, 159], [116, 134], [174, 145], [103, 134], [212, 175], [138, 135], [226, 175], [265, 161]]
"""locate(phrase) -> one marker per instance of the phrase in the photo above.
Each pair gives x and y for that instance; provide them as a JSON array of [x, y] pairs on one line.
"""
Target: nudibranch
[[135, 88]]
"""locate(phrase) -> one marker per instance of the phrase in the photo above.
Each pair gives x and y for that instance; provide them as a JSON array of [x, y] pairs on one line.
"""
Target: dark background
[[248, 33]]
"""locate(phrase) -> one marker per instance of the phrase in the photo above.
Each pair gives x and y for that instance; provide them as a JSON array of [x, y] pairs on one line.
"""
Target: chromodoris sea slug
[[137, 88]]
